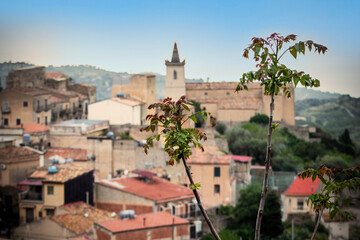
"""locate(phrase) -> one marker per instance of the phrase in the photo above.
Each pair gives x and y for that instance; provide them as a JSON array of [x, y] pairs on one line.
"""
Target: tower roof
[[175, 59], [175, 55]]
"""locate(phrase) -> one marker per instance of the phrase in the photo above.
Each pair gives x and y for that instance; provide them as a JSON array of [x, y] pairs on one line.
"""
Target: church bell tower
[[175, 76]]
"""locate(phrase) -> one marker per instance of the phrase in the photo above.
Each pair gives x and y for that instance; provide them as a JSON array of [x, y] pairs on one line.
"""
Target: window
[[175, 75], [216, 188], [216, 171], [289, 202], [6, 122], [173, 210], [205, 93], [227, 93], [5, 106], [73, 106], [50, 212], [46, 121], [45, 103], [38, 120], [25, 104], [50, 190], [18, 121], [38, 104], [300, 204]]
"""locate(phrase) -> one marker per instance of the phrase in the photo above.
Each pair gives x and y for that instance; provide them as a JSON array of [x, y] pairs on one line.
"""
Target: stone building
[[175, 76], [25, 105], [49, 187], [57, 80], [28, 77], [219, 97], [141, 88], [84, 89]]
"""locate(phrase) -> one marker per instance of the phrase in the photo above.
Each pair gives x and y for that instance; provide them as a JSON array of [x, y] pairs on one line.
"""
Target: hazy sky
[[137, 36]]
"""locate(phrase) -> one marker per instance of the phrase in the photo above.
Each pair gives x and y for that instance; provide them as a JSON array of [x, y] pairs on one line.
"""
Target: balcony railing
[[6, 110], [31, 196], [42, 109]]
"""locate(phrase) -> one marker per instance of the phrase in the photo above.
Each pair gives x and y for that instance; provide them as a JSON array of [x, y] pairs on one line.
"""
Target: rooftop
[[30, 91], [211, 155], [64, 173], [303, 187], [55, 75], [218, 86], [80, 217], [79, 122], [13, 154], [156, 189], [77, 154], [239, 158], [145, 221], [34, 128]]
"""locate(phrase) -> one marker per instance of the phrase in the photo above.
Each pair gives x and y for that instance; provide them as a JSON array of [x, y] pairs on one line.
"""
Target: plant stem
[[206, 217], [266, 173], [317, 224]]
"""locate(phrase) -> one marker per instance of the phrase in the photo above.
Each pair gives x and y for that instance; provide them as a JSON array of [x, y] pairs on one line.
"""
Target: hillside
[[308, 93], [332, 115]]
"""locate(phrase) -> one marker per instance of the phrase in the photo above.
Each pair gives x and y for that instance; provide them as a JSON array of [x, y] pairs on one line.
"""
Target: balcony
[[42, 109], [31, 196], [6, 110]]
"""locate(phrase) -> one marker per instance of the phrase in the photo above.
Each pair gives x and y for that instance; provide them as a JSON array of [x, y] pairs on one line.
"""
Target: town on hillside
[[72, 167]]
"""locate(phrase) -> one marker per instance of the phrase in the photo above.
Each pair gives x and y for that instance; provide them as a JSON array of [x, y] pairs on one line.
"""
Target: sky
[[137, 36]]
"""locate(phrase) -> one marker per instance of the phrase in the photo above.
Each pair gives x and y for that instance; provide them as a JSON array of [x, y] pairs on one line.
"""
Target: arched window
[[175, 75]]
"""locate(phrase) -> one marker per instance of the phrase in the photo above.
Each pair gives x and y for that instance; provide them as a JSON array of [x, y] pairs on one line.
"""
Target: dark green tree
[[245, 213], [260, 119]]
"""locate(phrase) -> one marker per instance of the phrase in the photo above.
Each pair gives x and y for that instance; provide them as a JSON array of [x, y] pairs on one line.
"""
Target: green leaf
[[185, 106], [293, 52], [193, 117]]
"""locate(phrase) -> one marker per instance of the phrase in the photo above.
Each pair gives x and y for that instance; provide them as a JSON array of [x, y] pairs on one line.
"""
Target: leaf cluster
[[170, 116], [335, 181], [272, 74]]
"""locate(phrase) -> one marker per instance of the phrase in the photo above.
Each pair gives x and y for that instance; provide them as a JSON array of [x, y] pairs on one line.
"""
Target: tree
[[221, 128], [245, 213], [331, 196], [260, 119], [178, 140], [274, 76]]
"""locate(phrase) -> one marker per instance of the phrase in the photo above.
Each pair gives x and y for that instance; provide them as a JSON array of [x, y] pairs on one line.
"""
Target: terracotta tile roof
[[80, 217], [157, 189], [77, 154], [211, 155], [64, 173], [14, 154], [30, 91], [218, 86], [152, 220], [34, 128], [66, 93], [239, 158], [127, 101], [303, 187], [54, 75]]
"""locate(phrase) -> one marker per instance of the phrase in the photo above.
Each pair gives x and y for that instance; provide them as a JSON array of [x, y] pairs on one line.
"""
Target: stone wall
[[26, 77]]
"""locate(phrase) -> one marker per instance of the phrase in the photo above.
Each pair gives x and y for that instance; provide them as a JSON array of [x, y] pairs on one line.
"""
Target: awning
[[31, 182]]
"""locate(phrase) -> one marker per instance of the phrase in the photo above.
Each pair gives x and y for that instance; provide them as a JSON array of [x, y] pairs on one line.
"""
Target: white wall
[[115, 112]]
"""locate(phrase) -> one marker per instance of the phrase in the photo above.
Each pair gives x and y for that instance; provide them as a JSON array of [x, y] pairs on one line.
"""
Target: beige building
[[16, 163], [50, 187], [175, 76], [72, 221], [85, 89], [141, 88], [211, 169], [118, 111], [57, 80], [295, 198], [25, 105]]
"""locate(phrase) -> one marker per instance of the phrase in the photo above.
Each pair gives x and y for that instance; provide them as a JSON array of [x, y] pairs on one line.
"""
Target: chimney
[[144, 220]]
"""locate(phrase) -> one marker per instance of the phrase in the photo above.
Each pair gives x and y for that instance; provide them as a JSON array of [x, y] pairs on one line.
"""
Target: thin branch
[[283, 53], [213, 231], [317, 224]]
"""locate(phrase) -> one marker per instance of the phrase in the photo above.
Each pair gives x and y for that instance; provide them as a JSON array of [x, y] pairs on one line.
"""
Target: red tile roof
[[30, 91], [157, 189], [152, 220], [77, 154], [64, 173], [34, 128], [211, 155], [17, 154], [303, 187], [53, 75], [80, 217], [239, 158]]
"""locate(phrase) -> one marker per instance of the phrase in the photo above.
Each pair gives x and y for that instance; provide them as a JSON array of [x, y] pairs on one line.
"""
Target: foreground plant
[[171, 117], [331, 196], [275, 76]]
